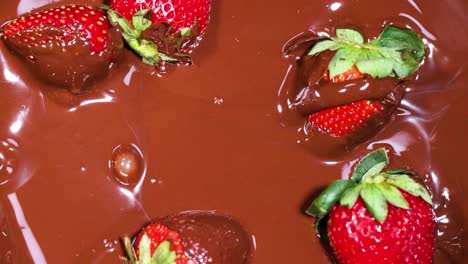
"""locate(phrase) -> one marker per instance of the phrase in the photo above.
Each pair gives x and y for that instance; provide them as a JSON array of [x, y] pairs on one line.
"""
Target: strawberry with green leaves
[[163, 30], [396, 53], [155, 244], [70, 46], [377, 216]]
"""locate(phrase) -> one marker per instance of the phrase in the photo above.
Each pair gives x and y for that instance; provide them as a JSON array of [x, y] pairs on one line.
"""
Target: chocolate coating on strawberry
[[200, 237], [345, 90], [71, 47], [211, 238]]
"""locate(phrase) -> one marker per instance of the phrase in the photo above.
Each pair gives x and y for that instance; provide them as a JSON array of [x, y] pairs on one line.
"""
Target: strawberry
[[163, 30], [190, 237], [377, 217], [395, 53], [349, 75], [155, 244], [179, 14], [340, 121], [68, 45]]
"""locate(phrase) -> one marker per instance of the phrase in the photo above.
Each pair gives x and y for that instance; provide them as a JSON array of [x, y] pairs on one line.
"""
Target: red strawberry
[[179, 14], [395, 53], [351, 74], [155, 241], [160, 30], [69, 46], [339, 121], [377, 217]]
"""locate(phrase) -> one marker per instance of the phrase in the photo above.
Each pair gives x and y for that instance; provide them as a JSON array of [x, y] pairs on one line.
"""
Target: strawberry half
[[340, 121], [163, 30], [376, 216], [70, 46], [155, 244]]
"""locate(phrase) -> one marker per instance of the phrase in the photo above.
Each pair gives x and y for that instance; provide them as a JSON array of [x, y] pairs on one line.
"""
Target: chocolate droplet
[[127, 164]]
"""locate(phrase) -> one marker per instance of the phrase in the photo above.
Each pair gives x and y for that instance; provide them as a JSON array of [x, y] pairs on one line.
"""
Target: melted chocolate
[[212, 138]]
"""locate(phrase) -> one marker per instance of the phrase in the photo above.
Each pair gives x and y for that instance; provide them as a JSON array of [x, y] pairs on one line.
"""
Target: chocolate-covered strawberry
[[160, 31], [191, 237], [377, 216], [348, 88], [69, 46]]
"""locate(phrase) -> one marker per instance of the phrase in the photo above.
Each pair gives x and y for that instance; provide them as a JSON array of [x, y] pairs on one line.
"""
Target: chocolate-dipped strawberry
[[71, 47], [190, 237], [348, 88], [377, 216], [163, 31]]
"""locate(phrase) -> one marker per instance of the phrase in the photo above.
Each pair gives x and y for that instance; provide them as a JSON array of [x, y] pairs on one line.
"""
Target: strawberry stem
[[147, 49], [374, 187]]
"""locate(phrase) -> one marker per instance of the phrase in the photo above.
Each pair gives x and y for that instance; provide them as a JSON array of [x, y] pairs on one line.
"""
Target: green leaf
[[166, 57], [396, 52], [406, 183], [393, 195], [375, 202], [163, 254], [408, 67], [321, 46], [144, 250], [129, 249], [403, 64], [350, 196], [368, 162], [373, 63], [117, 20], [349, 35], [403, 40], [321, 228], [374, 170], [399, 171], [322, 205], [185, 32], [343, 60], [140, 22]]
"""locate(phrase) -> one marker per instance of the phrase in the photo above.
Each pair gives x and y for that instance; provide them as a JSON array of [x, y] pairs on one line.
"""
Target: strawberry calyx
[[156, 244], [162, 254], [151, 40], [394, 53], [376, 188]]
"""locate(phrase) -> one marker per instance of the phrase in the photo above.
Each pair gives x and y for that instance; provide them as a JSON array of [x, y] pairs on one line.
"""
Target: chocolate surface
[[211, 136]]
